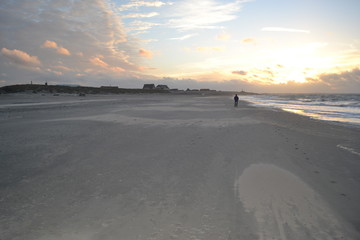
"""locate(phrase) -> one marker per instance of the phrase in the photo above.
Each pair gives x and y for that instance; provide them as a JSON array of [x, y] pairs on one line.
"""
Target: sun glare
[[296, 77], [300, 63]]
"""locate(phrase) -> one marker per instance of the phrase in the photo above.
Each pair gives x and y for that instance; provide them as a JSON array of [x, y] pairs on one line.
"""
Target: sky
[[267, 46]]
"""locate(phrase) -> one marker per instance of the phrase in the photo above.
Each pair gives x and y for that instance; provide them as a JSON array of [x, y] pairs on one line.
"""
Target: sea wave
[[343, 108]]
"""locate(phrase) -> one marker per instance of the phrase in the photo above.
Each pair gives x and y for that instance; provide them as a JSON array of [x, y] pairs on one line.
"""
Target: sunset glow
[[259, 45]]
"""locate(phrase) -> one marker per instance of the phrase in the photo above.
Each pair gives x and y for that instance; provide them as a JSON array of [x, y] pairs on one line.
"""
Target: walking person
[[236, 100]]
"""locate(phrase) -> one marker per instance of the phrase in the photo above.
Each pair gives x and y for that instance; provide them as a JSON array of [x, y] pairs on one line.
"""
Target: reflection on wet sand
[[285, 207]]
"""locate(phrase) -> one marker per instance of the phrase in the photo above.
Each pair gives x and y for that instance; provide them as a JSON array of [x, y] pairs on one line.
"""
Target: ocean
[[344, 108]]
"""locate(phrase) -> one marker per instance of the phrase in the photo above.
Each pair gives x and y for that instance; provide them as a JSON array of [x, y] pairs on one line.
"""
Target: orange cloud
[[97, 61], [21, 58], [63, 51], [249, 40], [143, 68], [223, 37], [49, 44], [53, 45], [58, 73], [117, 69], [145, 53], [63, 68]]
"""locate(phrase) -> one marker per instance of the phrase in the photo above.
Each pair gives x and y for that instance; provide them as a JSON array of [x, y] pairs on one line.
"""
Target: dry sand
[[143, 167]]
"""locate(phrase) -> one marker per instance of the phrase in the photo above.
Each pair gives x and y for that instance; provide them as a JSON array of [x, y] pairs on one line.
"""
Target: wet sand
[[173, 167]]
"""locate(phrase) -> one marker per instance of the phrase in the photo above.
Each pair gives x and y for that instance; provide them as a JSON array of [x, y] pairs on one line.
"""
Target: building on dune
[[149, 86], [162, 87]]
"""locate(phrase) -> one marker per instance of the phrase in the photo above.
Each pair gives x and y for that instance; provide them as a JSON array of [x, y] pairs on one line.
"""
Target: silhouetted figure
[[236, 100]]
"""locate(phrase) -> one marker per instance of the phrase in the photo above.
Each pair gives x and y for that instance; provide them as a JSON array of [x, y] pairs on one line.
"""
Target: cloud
[[346, 81], [87, 28], [97, 61], [21, 58], [249, 40], [137, 4], [341, 82], [145, 53], [62, 68], [58, 73], [141, 25], [49, 44], [239, 72], [211, 81], [59, 49], [141, 15], [223, 36], [203, 14], [210, 49], [280, 29], [184, 37], [268, 72]]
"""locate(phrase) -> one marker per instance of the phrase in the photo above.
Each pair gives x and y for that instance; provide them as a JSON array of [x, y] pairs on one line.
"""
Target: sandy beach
[[152, 166]]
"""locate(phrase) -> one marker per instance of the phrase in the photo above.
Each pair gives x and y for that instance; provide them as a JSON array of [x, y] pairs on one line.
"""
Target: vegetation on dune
[[37, 88], [80, 90]]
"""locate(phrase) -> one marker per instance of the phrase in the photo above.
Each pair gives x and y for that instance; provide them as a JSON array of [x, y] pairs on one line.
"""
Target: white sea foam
[[343, 108], [349, 149]]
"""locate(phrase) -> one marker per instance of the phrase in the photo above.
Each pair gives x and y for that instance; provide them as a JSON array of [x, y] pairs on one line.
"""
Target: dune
[[152, 166]]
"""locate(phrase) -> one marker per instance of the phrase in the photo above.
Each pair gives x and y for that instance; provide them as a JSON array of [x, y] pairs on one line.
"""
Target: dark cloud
[[239, 72], [347, 81], [344, 82], [267, 71], [78, 31]]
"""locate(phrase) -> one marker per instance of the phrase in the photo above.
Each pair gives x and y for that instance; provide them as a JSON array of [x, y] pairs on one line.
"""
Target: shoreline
[[333, 122], [337, 108]]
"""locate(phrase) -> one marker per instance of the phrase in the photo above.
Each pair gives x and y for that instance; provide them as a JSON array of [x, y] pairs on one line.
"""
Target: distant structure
[[192, 90], [149, 86], [162, 87]]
